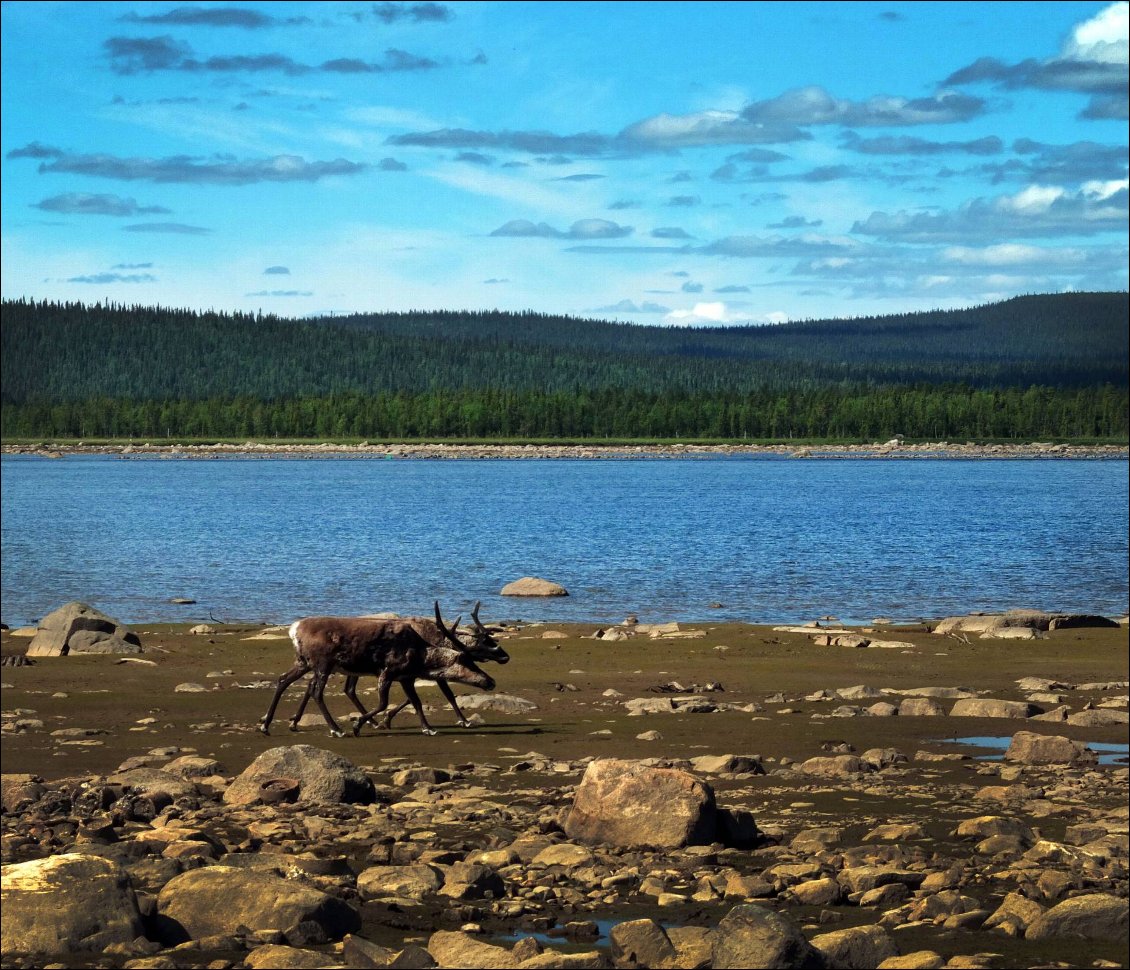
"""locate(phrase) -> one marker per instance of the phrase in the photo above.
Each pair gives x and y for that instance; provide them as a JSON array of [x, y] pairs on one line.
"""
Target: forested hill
[[111, 369]]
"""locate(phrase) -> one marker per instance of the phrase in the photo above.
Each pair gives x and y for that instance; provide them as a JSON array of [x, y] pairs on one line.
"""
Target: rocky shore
[[638, 796], [367, 450]]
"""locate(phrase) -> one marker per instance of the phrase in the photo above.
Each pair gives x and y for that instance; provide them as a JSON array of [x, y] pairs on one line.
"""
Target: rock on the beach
[[217, 900], [67, 903], [640, 943], [322, 776], [17, 791], [857, 948], [1042, 749], [628, 803], [839, 766], [1098, 917], [754, 936], [271, 956], [501, 703], [78, 628], [411, 882], [988, 707], [458, 949], [532, 586]]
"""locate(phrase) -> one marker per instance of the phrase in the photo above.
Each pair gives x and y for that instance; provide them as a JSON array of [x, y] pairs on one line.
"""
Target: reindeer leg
[[319, 688], [447, 692], [410, 690], [383, 685], [386, 721], [298, 670], [293, 723]]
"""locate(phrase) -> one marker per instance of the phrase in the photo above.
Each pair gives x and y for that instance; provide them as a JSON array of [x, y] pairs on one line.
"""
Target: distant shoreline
[[367, 450]]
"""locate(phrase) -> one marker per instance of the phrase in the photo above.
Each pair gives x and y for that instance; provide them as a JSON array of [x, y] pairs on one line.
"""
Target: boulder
[[754, 936], [500, 703], [408, 882], [640, 943], [857, 948], [321, 776], [838, 766], [532, 586], [988, 707], [67, 903], [217, 900], [274, 957], [627, 803], [1041, 749], [920, 707], [457, 949], [18, 791], [716, 764], [1098, 917], [78, 628], [1098, 718]]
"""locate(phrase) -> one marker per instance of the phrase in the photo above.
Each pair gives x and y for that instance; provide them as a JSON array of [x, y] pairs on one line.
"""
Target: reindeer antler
[[449, 633]]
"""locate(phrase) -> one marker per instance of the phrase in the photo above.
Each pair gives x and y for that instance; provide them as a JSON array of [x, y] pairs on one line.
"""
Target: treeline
[[71, 351], [862, 413]]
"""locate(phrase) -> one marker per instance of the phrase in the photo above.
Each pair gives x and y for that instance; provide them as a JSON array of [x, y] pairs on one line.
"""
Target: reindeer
[[482, 646], [395, 651]]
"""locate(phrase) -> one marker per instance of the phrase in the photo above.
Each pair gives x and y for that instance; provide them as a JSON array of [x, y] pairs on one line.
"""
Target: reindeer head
[[483, 645], [457, 667]]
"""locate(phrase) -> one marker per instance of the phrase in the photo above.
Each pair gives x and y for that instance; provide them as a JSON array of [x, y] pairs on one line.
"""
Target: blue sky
[[648, 162]]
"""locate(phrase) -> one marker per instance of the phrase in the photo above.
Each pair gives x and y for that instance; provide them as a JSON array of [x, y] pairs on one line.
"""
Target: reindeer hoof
[[464, 724], [429, 732], [292, 727], [337, 734], [265, 730]]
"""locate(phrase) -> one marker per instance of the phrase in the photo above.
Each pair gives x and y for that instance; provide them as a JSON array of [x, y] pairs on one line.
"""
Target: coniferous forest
[[1030, 368]]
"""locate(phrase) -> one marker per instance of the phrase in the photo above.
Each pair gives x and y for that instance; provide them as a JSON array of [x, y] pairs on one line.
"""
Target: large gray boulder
[[856, 948], [627, 803], [321, 776], [79, 628], [991, 707], [532, 586], [1042, 749], [754, 936], [1099, 917], [67, 903], [217, 900]]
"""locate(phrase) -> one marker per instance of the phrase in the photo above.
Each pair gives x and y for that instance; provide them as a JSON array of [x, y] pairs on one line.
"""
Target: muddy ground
[[85, 715]]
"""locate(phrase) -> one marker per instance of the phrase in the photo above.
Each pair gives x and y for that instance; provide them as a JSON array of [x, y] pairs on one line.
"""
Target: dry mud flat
[[707, 795]]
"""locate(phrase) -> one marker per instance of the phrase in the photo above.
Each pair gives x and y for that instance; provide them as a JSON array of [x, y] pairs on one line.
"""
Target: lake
[[769, 540]]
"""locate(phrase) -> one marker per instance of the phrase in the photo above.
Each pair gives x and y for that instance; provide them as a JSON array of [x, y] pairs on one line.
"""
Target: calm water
[[771, 540]]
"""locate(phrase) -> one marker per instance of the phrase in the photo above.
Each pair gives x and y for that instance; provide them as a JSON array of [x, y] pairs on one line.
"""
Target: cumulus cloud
[[666, 131], [138, 55], [714, 312], [628, 306], [533, 142], [1035, 211], [214, 17], [219, 170], [391, 13], [749, 247], [670, 232], [582, 229], [391, 165], [908, 145], [1093, 60], [276, 271], [81, 203], [796, 222], [813, 105]]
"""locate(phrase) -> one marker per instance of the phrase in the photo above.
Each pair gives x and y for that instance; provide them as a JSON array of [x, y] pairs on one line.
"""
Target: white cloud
[[1104, 38]]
